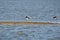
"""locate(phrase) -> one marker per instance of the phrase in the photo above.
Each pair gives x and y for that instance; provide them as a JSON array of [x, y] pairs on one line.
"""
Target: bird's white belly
[[27, 19]]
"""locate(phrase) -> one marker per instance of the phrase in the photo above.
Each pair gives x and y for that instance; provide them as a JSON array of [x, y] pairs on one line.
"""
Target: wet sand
[[27, 23]]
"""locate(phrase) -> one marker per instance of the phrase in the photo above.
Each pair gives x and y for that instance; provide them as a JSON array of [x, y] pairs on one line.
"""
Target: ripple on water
[[27, 32]]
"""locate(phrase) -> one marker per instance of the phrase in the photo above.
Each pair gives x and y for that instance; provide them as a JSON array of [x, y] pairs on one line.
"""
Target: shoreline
[[13, 23]]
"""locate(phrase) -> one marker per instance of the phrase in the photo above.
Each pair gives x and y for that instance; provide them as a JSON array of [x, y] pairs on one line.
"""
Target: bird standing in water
[[27, 18], [55, 18]]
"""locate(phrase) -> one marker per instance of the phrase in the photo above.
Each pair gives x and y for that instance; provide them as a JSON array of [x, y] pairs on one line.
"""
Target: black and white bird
[[27, 18], [55, 17]]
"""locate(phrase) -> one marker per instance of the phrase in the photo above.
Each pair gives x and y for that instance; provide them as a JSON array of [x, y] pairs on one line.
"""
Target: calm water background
[[37, 10]]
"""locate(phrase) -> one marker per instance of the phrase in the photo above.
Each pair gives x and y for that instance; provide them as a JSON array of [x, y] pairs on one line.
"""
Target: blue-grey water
[[29, 32], [37, 10]]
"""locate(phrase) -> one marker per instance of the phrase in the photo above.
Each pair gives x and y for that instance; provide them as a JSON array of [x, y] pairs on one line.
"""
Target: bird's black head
[[26, 17]]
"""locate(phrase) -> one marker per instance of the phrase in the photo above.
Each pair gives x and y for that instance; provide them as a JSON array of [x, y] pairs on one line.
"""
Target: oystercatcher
[[27, 18], [55, 17]]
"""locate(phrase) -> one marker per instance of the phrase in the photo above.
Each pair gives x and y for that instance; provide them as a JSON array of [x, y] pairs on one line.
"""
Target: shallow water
[[37, 10], [29, 32]]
